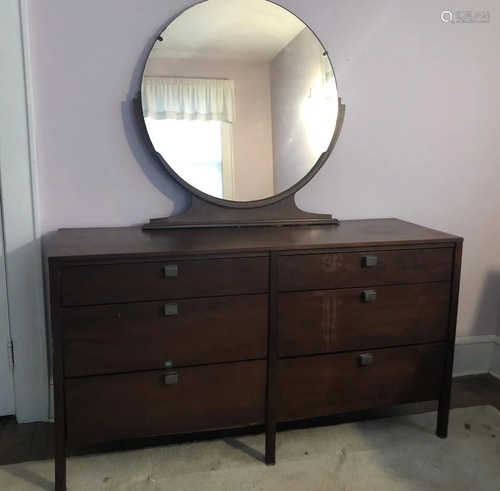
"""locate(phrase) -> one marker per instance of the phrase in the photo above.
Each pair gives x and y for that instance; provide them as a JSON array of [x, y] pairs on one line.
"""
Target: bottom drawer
[[135, 405], [327, 384]]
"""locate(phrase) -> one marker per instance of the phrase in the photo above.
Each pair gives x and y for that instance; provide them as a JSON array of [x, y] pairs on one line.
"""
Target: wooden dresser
[[178, 331]]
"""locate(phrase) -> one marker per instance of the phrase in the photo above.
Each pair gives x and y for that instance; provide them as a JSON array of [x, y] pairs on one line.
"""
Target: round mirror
[[239, 99]]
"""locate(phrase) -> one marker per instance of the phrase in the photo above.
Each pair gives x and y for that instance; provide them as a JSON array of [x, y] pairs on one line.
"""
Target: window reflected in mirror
[[206, 165], [241, 107]]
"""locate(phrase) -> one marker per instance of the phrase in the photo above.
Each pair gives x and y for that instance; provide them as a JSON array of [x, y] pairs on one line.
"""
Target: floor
[[35, 441]]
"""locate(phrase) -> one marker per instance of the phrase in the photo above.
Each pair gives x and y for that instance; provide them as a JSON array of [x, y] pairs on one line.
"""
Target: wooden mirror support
[[208, 211]]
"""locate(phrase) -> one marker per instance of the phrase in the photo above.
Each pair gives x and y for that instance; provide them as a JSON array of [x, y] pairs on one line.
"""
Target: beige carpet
[[397, 454]]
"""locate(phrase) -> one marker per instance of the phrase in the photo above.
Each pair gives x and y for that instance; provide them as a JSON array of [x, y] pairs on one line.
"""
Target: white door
[[6, 360]]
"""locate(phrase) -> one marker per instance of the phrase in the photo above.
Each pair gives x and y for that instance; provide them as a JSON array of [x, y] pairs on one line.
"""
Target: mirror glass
[[239, 98]]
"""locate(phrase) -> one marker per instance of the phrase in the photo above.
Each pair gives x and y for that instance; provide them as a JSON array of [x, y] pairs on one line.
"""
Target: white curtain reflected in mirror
[[241, 107], [189, 121]]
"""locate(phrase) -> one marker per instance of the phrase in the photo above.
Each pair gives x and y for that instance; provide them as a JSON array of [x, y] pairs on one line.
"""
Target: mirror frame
[[208, 211]]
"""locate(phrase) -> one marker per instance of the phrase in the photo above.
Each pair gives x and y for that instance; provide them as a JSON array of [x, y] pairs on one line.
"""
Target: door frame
[[8, 405], [22, 238]]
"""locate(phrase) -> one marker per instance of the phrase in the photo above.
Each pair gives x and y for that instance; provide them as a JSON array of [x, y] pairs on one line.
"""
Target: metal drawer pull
[[171, 271], [171, 309], [171, 377], [365, 360], [369, 296], [370, 261]]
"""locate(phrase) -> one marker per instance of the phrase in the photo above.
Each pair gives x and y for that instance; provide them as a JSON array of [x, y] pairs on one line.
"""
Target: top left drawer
[[122, 283]]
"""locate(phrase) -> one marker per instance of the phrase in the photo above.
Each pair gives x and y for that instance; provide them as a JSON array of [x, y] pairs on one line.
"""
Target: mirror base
[[277, 223], [203, 214]]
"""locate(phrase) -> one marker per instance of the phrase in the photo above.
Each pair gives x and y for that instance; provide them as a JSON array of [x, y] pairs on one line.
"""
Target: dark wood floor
[[35, 441]]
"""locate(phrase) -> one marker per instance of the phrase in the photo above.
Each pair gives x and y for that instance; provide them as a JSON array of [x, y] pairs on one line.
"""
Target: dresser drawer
[[92, 285], [328, 384], [347, 270], [140, 336], [342, 320], [137, 405]]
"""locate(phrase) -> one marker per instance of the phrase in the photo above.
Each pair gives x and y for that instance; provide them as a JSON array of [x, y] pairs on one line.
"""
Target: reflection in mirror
[[239, 98]]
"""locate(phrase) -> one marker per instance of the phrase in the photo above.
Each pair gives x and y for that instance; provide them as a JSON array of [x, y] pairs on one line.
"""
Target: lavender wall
[[420, 139], [293, 72], [252, 141]]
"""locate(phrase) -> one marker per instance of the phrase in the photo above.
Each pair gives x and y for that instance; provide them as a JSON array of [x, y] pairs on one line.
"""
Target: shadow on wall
[[151, 167], [487, 319]]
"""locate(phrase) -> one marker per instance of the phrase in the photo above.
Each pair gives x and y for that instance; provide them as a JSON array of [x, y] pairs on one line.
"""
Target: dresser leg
[[443, 417], [60, 474], [445, 399], [60, 464], [271, 444], [272, 360]]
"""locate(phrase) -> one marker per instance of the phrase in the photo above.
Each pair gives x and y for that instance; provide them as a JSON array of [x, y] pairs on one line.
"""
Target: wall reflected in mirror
[[239, 98]]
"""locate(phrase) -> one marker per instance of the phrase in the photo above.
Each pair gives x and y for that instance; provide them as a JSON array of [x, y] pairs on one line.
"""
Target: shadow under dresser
[[178, 331]]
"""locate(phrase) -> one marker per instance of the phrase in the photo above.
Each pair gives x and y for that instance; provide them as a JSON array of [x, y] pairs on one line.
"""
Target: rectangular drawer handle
[[171, 377], [171, 309], [370, 261], [365, 360], [171, 271], [369, 296]]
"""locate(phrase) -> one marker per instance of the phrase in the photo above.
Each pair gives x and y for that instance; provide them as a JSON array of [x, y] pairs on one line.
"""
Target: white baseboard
[[476, 355]]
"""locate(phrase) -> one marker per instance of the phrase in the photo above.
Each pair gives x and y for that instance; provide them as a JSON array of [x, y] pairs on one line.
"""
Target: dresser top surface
[[98, 243]]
